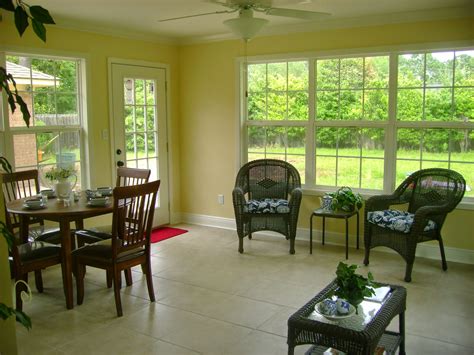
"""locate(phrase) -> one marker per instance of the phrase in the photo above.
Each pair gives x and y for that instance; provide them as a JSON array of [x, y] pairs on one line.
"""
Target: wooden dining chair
[[125, 177], [23, 184], [129, 245]]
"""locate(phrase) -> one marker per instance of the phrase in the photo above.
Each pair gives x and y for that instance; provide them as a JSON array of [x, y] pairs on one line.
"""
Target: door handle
[[120, 163]]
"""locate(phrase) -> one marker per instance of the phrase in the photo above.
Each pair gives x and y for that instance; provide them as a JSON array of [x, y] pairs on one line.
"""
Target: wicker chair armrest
[[295, 197], [238, 198], [422, 215], [382, 202]]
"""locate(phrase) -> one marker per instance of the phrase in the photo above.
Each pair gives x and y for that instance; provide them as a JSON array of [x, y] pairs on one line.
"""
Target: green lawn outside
[[372, 165]]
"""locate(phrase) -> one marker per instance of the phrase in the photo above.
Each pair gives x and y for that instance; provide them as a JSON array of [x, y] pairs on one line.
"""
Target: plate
[[336, 316], [38, 207]]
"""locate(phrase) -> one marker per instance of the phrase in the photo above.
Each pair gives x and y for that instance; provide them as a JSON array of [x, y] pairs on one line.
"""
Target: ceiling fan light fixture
[[246, 26]]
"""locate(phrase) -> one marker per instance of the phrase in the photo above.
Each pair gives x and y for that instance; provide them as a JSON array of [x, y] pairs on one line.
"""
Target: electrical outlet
[[220, 199]]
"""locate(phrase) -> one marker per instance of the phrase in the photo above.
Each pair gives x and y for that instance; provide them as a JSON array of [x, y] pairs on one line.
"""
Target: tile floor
[[212, 300]]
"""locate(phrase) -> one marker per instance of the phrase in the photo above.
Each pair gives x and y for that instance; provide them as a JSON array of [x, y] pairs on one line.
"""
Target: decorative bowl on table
[[330, 310]]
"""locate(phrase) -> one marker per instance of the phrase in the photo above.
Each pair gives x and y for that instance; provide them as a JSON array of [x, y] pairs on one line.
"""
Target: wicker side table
[[360, 334]]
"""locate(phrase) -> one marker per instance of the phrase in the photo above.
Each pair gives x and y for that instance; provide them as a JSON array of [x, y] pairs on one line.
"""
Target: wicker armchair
[[275, 183], [429, 194]]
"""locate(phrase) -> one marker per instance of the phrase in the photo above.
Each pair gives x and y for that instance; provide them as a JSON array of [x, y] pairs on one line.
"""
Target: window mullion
[[310, 170], [390, 159]]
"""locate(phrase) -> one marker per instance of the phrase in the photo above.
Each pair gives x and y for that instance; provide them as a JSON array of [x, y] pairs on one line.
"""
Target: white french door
[[139, 125]]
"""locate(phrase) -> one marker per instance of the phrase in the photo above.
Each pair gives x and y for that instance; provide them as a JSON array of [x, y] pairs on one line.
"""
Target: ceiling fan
[[246, 26]]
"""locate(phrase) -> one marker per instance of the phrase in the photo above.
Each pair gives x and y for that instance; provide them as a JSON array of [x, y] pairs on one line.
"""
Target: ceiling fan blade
[[197, 15], [300, 14]]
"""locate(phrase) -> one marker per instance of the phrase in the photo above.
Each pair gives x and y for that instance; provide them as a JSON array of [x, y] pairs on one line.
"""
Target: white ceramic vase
[[63, 189]]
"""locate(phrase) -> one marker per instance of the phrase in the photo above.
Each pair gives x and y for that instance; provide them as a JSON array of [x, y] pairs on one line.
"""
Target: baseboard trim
[[423, 250]]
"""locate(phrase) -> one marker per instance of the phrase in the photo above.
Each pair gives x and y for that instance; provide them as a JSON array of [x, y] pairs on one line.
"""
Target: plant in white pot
[[64, 180]]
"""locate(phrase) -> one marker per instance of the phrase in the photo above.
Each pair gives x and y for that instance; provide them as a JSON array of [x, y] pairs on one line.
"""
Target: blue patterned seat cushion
[[399, 221], [267, 205]]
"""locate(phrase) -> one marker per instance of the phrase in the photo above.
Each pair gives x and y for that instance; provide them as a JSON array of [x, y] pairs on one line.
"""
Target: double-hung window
[[366, 121], [52, 89]]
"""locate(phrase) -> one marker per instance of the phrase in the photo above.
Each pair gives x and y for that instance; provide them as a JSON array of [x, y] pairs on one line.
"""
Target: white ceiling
[[140, 18]]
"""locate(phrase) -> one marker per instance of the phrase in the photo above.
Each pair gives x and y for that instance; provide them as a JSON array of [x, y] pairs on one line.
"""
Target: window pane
[[44, 104], [66, 75], [351, 104], [352, 73], [130, 146], [411, 70], [150, 118], [376, 105], [256, 140], [47, 147], [139, 119], [376, 72], [410, 104], [296, 142], [439, 69], [409, 143], [372, 142], [464, 68], [257, 106], [128, 91], [276, 141], [298, 75], [276, 106], [327, 74], [327, 105], [257, 77], [150, 92], [464, 104], [276, 76], [139, 92], [435, 144], [404, 169], [151, 145], [16, 118], [298, 105], [325, 170], [129, 118], [372, 174], [25, 143], [348, 172], [438, 104]]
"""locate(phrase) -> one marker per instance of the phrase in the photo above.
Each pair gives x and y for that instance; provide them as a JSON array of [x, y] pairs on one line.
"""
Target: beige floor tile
[[213, 300]]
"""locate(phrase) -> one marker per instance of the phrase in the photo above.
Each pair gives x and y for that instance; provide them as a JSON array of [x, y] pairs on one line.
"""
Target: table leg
[[24, 228], [347, 238], [401, 325], [311, 234], [324, 228], [357, 229], [65, 228]]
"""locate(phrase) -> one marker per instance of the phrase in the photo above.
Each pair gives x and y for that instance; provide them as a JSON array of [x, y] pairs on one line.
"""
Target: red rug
[[165, 233]]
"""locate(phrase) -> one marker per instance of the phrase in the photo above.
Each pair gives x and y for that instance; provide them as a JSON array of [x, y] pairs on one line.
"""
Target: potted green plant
[[351, 286], [60, 177], [344, 199]]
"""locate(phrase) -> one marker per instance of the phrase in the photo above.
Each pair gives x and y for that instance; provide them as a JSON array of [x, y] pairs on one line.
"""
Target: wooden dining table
[[56, 210]]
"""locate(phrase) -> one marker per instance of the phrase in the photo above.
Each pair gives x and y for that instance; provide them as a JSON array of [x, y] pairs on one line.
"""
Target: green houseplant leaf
[[39, 29], [7, 5], [21, 20], [351, 286], [41, 15]]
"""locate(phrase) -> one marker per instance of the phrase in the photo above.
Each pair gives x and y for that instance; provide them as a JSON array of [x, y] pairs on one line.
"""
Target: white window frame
[[390, 125], [7, 133]]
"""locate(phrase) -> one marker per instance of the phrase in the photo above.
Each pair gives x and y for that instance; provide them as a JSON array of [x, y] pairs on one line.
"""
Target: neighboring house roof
[[23, 75]]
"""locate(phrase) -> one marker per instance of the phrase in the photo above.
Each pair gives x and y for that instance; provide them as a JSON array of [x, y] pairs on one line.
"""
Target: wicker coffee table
[[359, 334]]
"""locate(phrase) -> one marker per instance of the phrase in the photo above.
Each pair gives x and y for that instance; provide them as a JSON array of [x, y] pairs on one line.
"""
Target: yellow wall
[[208, 120]]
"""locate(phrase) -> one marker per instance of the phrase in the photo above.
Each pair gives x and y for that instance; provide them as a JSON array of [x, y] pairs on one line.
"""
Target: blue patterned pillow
[[268, 205], [399, 221]]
